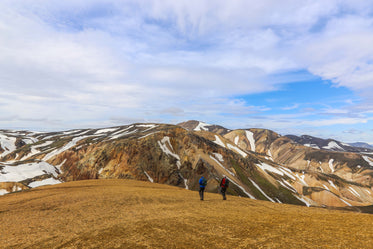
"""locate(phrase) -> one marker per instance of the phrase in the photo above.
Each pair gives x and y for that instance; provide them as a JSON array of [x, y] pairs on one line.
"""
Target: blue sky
[[292, 66]]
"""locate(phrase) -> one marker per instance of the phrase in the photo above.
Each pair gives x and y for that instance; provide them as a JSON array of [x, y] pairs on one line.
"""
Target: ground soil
[[135, 214]]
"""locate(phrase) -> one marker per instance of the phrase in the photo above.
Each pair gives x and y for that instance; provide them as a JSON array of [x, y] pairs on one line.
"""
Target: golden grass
[[134, 214]]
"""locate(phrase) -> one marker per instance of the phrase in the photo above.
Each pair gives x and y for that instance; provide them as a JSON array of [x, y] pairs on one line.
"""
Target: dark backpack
[[204, 182]]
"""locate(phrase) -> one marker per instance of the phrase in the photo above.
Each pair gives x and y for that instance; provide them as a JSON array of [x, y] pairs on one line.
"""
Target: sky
[[292, 66]]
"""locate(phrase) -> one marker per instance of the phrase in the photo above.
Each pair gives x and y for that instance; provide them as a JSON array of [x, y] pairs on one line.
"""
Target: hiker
[[223, 186], [202, 185]]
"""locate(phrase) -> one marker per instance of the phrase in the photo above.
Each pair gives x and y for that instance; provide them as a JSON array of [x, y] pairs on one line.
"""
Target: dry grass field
[[133, 214]]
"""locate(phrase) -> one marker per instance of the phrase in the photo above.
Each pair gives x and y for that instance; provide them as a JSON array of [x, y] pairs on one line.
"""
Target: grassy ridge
[[125, 213]]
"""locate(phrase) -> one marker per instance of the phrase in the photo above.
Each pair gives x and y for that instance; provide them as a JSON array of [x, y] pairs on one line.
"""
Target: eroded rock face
[[260, 163]]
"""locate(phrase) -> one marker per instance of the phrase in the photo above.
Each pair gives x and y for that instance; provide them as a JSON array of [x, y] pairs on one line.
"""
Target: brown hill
[[137, 214]]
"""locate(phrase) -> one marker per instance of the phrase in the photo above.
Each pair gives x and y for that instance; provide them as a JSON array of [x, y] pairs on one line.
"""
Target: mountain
[[137, 214], [362, 145], [201, 126], [260, 163], [331, 144]]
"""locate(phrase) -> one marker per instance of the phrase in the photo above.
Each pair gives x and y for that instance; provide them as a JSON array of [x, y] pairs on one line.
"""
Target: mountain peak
[[194, 125]]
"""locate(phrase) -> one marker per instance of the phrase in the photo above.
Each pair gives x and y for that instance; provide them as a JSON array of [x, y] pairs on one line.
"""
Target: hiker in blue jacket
[[202, 185]]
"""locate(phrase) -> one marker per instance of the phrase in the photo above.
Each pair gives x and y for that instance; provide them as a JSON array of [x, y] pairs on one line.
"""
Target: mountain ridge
[[260, 163], [331, 144]]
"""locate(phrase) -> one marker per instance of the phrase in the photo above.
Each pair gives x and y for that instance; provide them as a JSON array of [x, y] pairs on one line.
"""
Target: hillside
[[260, 163], [138, 214]]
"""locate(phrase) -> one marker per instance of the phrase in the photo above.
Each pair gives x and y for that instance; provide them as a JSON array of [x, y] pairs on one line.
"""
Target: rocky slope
[[260, 163]]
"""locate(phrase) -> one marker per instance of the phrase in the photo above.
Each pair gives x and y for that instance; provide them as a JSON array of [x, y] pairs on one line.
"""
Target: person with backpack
[[223, 186], [202, 185]]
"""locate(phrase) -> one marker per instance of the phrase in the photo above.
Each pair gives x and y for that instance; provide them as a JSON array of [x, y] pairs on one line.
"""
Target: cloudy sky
[[293, 66]]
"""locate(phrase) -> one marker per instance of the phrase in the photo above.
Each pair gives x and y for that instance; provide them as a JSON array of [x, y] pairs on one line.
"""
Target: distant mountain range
[[260, 163], [331, 144], [362, 145]]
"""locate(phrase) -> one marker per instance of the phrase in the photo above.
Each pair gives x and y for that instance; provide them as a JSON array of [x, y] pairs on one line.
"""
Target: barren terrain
[[136, 214]]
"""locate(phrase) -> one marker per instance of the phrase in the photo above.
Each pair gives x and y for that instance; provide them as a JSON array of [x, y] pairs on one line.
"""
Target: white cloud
[[342, 52], [292, 107], [78, 62]]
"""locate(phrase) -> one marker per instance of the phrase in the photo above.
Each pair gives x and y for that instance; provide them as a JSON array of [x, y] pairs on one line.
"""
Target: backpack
[[224, 183], [204, 182]]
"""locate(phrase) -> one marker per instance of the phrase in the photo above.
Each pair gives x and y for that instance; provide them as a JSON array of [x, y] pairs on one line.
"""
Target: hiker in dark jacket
[[223, 186], [202, 185]]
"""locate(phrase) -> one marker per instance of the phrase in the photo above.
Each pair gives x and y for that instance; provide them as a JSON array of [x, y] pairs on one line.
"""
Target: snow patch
[[301, 179], [250, 137], [287, 172], [16, 188], [231, 147], [218, 141], [312, 146], [122, 130], [69, 145], [3, 192], [8, 144], [149, 126], [107, 130], [186, 183], [368, 160], [331, 165], [302, 200], [270, 154], [69, 132], [26, 171], [219, 157], [34, 149], [345, 202], [278, 200], [353, 191], [332, 184], [149, 178], [163, 144], [60, 165], [230, 172], [201, 126], [30, 140], [121, 134], [146, 125], [49, 181], [236, 139], [326, 187], [267, 167], [332, 145], [261, 191], [287, 185], [243, 190]]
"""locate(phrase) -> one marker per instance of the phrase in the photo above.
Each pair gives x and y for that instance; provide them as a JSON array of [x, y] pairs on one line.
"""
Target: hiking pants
[[222, 190], [201, 190]]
